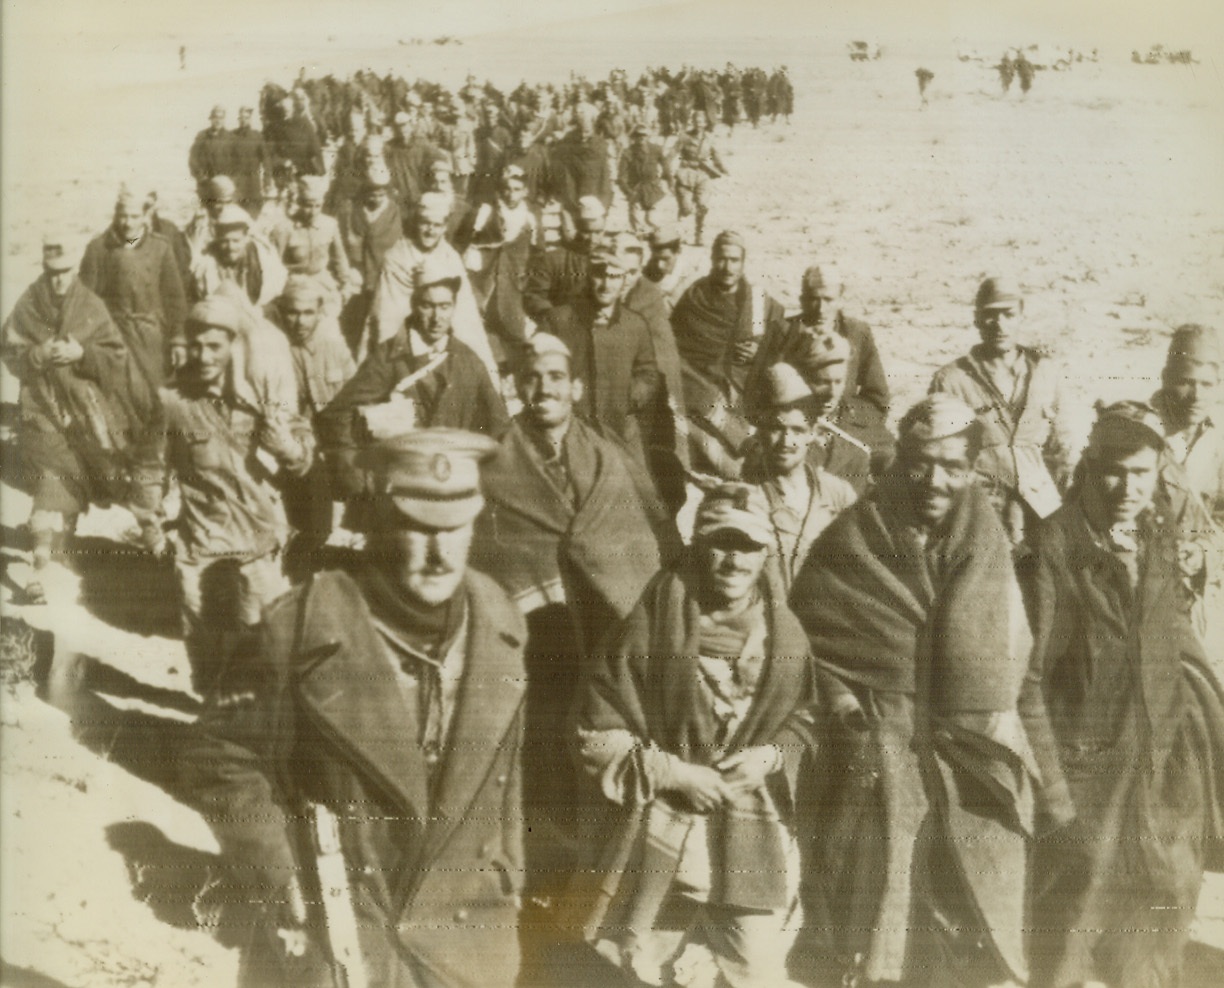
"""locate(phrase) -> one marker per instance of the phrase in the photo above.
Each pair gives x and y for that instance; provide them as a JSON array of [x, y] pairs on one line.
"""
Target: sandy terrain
[[1101, 192]]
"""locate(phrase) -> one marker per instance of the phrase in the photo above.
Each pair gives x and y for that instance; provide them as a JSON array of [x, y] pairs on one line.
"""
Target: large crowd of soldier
[[627, 634]]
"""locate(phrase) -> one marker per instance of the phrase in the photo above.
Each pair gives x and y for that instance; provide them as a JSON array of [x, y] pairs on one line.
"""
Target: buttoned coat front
[[434, 865]]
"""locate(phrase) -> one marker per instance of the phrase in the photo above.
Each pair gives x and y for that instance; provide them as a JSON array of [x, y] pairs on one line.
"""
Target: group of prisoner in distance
[[629, 634]]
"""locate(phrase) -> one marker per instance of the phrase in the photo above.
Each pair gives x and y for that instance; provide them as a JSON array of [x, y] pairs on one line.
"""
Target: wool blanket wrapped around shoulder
[[646, 682]]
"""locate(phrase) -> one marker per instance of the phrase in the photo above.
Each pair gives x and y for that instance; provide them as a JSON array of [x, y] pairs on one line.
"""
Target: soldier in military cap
[[225, 450], [913, 872], [694, 721], [1136, 715], [390, 694], [81, 402], [643, 178], [1027, 444], [211, 150]]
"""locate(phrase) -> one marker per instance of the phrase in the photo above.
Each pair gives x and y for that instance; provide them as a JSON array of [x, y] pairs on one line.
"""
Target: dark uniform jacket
[[457, 394], [616, 363], [434, 869], [555, 277], [210, 154]]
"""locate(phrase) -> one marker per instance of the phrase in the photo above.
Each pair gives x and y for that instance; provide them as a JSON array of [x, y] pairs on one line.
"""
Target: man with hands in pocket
[[694, 722]]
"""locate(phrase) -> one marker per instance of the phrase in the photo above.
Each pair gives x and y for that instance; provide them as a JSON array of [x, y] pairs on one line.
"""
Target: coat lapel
[[492, 691], [348, 687]]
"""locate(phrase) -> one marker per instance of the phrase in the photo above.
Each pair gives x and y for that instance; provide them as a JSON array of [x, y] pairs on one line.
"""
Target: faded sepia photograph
[[675, 493]]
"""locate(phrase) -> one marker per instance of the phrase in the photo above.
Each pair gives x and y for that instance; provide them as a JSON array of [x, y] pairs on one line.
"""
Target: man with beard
[[135, 274], [557, 492], [1027, 449], [402, 265], [217, 193], [865, 399], [210, 153], [1138, 718], [235, 256], [694, 721], [558, 275], [612, 354], [322, 365], [249, 164], [424, 376], [226, 453], [497, 243], [803, 497], [718, 324], [938, 747], [81, 403], [389, 699]]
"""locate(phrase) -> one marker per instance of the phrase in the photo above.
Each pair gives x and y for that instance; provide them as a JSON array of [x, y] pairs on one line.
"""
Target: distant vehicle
[[864, 51]]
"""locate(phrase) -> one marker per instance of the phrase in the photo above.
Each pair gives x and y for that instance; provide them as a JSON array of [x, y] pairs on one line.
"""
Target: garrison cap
[[937, 416], [1194, 344], [56, 255], [220, 188], [665, 235], [431, 475], [591, 208], [1124, 426], [729, 238], [734, 507], [303, 286], [215, 312], [434, 206], [232, 217], [997, 293], [438, 270], [784, 387], [822, 281], [314, 186]]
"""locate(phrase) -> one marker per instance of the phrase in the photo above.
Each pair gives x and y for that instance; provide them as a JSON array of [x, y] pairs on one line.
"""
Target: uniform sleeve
[[872, 381], [173, 297], [644, 382], [1047, 605], [1064, 442], [538, 287], [229, 771], [371, 384]]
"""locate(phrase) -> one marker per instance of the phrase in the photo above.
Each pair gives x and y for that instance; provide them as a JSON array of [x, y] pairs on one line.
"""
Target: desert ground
[[1100, 192]]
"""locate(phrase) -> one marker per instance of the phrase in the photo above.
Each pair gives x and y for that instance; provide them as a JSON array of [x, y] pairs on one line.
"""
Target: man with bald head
[[1027, 445], [719, 324], [212, 149]]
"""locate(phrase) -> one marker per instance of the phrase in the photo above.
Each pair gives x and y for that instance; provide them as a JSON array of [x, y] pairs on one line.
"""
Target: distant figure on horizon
[[1007, 72], [1026, 71], [924, 78], [182, 57]]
